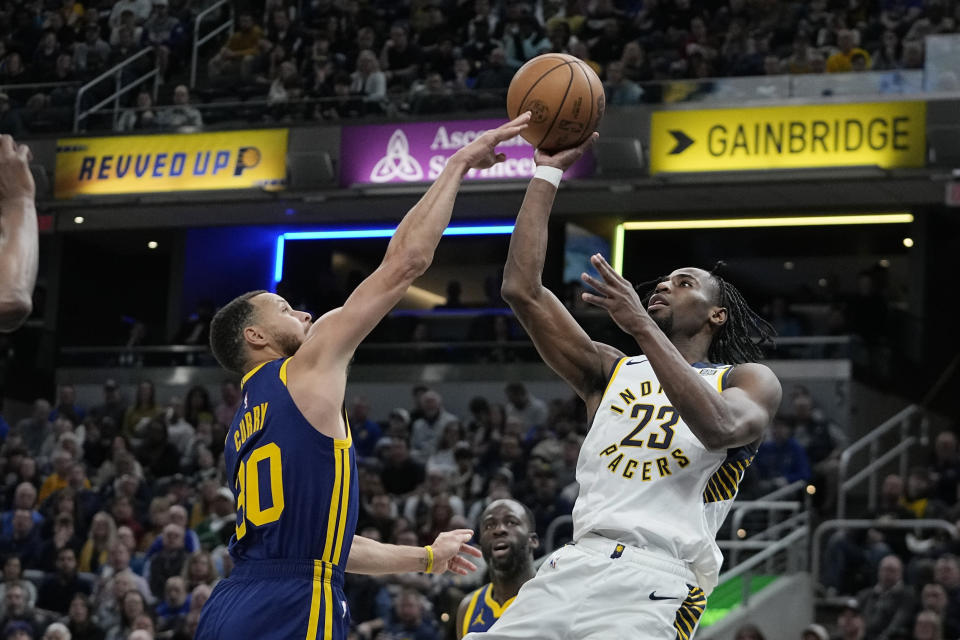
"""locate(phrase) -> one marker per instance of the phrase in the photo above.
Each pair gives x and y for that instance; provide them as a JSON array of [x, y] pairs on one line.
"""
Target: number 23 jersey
[[295, 488], [647, 480]]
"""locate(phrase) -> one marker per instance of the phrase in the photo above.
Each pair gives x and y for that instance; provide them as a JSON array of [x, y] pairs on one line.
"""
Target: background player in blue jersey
[[289, 452], [507, 540]]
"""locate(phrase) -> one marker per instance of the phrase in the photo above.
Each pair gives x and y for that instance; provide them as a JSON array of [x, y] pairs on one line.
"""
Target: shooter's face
[[285, 327]]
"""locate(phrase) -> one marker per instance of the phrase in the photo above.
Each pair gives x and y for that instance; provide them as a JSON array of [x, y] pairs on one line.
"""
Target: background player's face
[[285, 327], [505, 537], [683, 302]]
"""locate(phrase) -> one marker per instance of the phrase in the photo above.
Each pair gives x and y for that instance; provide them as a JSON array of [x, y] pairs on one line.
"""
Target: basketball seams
[[523, 101], [559, 107], [589, 127]]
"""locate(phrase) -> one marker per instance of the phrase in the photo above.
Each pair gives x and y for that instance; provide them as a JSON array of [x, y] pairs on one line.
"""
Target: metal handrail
[[198, 41], [115, 71], [770, 506], [39, 85], [784, 490], [840, 523], [900, 420], [765, 554]]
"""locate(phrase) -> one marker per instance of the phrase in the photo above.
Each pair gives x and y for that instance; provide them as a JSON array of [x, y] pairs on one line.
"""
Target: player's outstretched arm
[[18, 234], [737, 416], [376, 558], [560, 340], [335, 336]]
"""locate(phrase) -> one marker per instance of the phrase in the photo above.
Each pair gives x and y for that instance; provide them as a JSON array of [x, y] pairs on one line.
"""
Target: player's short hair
[[226, 332]]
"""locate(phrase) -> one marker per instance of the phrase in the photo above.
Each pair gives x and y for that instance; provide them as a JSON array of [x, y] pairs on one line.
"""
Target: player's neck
[[261, 357], [695, 348], [506, 587]]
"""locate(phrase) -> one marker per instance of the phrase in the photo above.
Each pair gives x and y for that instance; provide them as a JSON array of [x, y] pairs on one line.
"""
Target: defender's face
[[285, 327], [505, 536], [683, 301]]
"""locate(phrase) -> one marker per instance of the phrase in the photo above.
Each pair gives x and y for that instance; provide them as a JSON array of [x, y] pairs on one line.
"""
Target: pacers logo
[[398, 163], [247, 158]]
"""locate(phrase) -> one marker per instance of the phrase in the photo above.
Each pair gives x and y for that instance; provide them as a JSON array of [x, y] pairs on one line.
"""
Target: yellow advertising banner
[[883, 134], [185, 162]]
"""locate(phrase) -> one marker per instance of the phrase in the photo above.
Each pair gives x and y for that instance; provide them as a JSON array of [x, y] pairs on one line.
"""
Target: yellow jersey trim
[[497, 609], [283, 372], [334, 507], [327, 604], [468, 616], [341, 527], [315, 600], [249, 374], [613, 375], [344, 443]]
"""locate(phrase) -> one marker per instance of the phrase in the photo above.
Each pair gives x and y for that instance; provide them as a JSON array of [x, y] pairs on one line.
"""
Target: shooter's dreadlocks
[[733, 343]]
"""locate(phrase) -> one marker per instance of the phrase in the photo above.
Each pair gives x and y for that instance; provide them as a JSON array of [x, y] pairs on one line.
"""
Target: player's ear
[[718, 317], [534, 541], [254, 335]]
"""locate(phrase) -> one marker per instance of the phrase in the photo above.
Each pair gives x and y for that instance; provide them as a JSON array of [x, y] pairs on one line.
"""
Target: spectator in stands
[[182, 113], [45, 57], [525, 407], [945, 468], [850, 622], [103, 533], [13, 575], [749, 632], [91, 55], [240, 52], [928, 626], [18, 612], [365, 431], [495, 74], [887, 607], [175, 604], [167, 562], [133, 605], [917, 495], [58, 589], [781, 460], [281, 32], [912, 57], [815, 632], [842, 60], [64, 537], [198, 406], [887, 56], [35, 429], [432, 97], [369, 82], [164, 32], [217, 527], [229, 402], [25, 497], [285, 91], [62, 462], [143, 410], [410, 620], [141, 117], [24, 540], [620, 90], [401, 474], [199, 570], [426, 430], [822, 439], [400, 59], [139, 8], [933, 598], [79, 621], [57, 631], [129, 20]]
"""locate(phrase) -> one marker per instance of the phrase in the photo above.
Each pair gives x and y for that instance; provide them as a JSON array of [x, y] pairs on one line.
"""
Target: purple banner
[[417, 152]]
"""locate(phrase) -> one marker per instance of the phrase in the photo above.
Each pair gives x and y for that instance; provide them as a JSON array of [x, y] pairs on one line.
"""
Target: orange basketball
[[565, 97]]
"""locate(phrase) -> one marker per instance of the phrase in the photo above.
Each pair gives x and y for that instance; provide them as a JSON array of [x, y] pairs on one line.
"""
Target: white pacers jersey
[[645, 478]]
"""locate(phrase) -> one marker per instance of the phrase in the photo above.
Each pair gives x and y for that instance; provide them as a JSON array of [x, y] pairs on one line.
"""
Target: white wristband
[[550, 174]]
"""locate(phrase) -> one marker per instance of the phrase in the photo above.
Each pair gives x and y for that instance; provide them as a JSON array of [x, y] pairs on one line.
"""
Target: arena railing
[[199, 41], [781, 556], [121, 87], [912, 427], [841, 523], [456, 351]]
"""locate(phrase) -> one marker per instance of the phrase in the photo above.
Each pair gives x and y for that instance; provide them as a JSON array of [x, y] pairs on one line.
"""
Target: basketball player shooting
[[289, 452], [672, 432], [19, 243]]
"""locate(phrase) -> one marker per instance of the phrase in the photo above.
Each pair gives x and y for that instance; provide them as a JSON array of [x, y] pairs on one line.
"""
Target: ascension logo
[[398, 163]]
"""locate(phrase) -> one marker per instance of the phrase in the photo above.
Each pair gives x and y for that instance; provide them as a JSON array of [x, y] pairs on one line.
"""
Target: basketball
[[564, 96]]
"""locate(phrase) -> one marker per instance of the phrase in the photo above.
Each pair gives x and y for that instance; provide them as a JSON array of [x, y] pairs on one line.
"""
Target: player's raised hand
[[615, 294], [481, 152], [16, 181], [563, 160], [447, 549]]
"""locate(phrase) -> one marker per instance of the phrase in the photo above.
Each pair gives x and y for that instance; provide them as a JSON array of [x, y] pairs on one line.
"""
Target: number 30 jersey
[[645, 478], [295, 488]]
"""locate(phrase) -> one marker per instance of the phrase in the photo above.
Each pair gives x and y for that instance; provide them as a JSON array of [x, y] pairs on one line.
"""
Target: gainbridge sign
[[883, 134], [185, 162]]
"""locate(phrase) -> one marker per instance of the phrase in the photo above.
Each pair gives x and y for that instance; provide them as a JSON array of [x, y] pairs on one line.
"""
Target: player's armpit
[[563, 344], [752, 397]]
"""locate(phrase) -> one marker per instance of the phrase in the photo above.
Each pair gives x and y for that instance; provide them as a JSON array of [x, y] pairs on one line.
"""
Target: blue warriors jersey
[[297, 499], [295, 488], [483, 610]]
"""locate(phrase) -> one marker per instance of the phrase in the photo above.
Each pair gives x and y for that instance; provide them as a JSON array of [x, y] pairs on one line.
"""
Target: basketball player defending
[[507, 540], [672, 432], [19, 243], [289, 452]]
